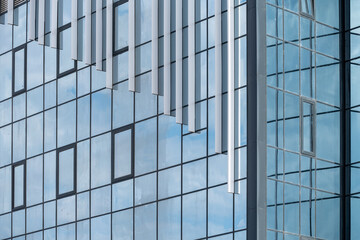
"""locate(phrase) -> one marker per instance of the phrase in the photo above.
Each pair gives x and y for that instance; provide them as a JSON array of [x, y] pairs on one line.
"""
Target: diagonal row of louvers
[[191, 118]]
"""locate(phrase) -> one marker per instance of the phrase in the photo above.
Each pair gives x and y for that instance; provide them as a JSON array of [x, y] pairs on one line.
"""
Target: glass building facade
[[254, 138]]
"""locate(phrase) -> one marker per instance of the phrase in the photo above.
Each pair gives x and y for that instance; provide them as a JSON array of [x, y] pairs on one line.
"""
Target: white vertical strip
[[99, 35], [179, 68], [109, 44], [191, 65], [87, 44], [74, 29], [231, 98], [132, 45], [32, 5], [11, 12], [155, 47], [167, 59], [41, 22], [218, 78], [53, 28]]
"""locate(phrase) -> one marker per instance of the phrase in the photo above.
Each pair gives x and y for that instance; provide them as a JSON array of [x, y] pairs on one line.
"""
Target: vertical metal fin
[[155, 47], [167, 58], [54, 23], [11, 12], [231, 98], [74, 29], [32, 8], [41, 22], [179, 68], [109, 44], [132, 45], [218, 78], [191, 65], [87, 44], [99, 35]]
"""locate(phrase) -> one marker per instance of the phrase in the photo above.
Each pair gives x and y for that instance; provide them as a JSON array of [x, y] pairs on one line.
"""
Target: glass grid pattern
[[303, 63], [179, 186]]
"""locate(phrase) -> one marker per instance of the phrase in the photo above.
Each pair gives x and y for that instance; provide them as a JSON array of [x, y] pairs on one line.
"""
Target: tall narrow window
[[121, 26], [122, 153], [307, 7], [66, 169], [18, 179], [65, 63], [19, 77], [308, 126]]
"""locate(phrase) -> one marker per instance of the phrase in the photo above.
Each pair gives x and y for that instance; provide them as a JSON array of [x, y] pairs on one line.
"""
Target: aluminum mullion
[[99, 35], [109, 44], [41, 22], [74, 30], [11, 12], [87, 44], [167, 58], [231, 97], [32, 6], [179, 67], [54, 23], [218, 78], [191, 66], [155, 47], [132, 45]]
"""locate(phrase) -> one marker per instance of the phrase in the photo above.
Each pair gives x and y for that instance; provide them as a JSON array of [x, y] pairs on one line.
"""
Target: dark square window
[[18, 186], [122, 153], [66, 171]]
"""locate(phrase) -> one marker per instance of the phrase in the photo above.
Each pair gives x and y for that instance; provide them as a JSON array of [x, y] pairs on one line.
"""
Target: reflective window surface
[[66, 170]]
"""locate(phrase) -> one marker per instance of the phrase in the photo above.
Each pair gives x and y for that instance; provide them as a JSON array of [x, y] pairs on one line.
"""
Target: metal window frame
[[313, 126], [304, 13], [71, 70], [15, 165], [19, 48], [113, 133], [124, 49], [73, 191]]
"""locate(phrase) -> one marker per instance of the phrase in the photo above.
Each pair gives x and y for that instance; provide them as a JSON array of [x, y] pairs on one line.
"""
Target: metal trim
[[191, 66], [53, 28], [109, 44], [179, 65], [99, 35], [155, 47], [218, 78], [74, 30], [167, 58], [32, 8], [132, 46], [87, 37]]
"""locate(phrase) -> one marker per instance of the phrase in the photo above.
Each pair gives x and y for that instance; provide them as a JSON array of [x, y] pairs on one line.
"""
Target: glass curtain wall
[[303, 119], [79, 161]]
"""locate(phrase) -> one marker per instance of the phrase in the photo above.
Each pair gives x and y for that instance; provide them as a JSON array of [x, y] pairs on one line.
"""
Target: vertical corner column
[[191, 65], [155, 47], [99, 35], [41, 22], [231, 97], [179, 67], [87, 44], [54, 23], [109, 44], [167, 59], [11, 12], [32, 6], [74, 30], [218, 78], [132, 46]]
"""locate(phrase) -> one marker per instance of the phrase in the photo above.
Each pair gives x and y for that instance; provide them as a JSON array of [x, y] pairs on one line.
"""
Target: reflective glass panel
[[66, 170]]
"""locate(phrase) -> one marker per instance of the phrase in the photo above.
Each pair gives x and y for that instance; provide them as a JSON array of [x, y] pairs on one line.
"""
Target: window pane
[[100, 112], [66, 123], [35, 65], [34, 135], [122, 154], [101, 228], [100, 201], [19, 25], [19, 73], [34, 180], [100, 160], [66, 171], [307, 127], [66, 210], [6, 75], [66, 88], [65, 61], [19, 185], [121, 16], [18, 141], [122, 225], [145, 222], [50, 176], [5, 145], [170, 219]]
